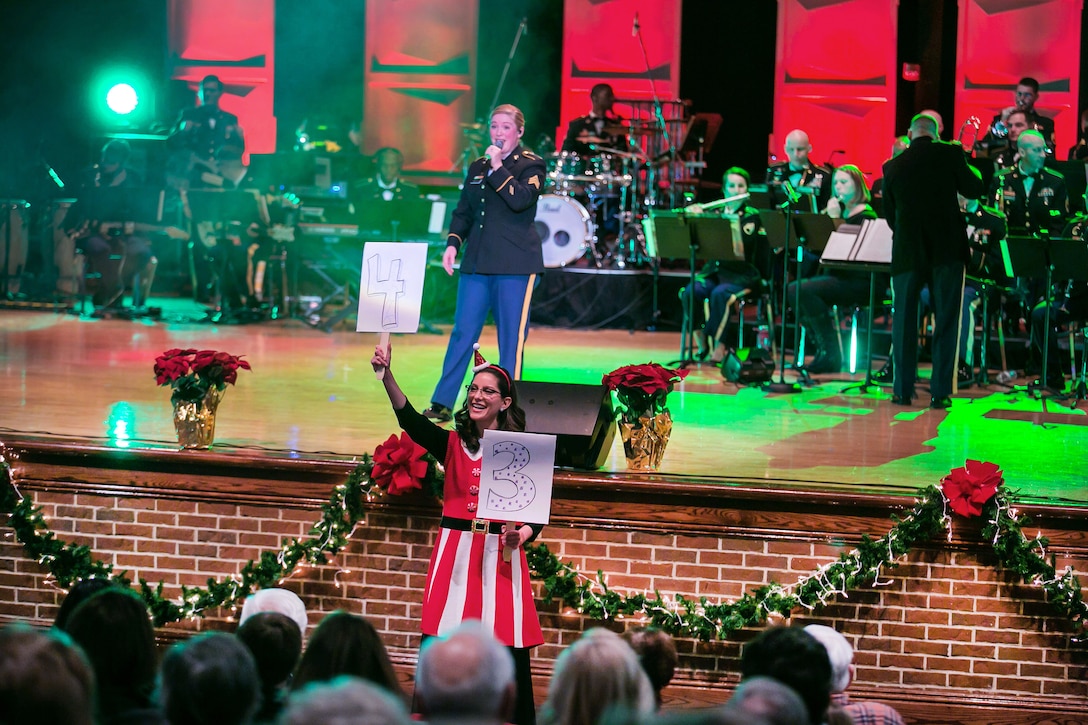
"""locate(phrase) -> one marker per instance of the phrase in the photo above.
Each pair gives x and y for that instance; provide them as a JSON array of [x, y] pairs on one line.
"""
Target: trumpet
[[970, 128]]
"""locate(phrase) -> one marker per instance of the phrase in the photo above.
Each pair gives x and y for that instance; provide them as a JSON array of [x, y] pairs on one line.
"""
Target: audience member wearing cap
[[468, 578], [283, 601], [841, 655], [597, 673]]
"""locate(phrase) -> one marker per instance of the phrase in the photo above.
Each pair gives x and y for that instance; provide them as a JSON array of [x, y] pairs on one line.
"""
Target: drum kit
[[594, 203]]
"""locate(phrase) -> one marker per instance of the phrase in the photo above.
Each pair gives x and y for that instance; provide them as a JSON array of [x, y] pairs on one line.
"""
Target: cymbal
[[472, 126]]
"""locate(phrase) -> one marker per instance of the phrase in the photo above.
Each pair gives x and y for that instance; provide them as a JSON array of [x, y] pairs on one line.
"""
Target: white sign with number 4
[[516, 476]]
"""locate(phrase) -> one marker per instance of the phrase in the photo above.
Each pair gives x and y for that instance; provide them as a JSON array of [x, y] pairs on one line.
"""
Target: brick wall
[[944, 627]]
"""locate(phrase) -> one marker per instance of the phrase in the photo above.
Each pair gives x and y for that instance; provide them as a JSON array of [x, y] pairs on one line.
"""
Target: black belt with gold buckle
[[476, 526]]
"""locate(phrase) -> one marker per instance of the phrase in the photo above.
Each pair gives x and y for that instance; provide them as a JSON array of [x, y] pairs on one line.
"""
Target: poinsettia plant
[[968, 488], [192, 373], [402, 465], [642, 389]]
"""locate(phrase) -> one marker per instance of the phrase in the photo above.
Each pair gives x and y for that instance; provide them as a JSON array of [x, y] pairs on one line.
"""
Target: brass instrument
[[972, 126]]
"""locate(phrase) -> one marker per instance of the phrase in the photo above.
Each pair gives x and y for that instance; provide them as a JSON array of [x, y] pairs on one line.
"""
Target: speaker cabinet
[[580, 417]]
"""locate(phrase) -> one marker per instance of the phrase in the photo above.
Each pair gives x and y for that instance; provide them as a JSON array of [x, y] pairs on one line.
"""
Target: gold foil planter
[[644, 441], [195, 422]]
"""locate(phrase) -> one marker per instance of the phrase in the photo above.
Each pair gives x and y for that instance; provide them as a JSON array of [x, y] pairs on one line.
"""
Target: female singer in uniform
[[493, 228], [468, 577]]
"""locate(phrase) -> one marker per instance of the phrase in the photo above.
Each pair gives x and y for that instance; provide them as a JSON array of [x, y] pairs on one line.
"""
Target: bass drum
[[565, 229]]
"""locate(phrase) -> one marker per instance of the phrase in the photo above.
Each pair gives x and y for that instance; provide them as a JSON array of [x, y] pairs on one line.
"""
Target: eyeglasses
[[488, 392]]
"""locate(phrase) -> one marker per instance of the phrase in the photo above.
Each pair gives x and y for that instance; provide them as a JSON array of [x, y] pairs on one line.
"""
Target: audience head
[[656, 652], [797, 148], [344, 701], [839, 652], [346, 644], [599, 671], [794, 658], [466, 675], [1032, 148], [43, 678], [276, 645], [770, 700], [210, 679], [80, 592], [113, 627], [923, 126], [850, 187], [1027, 93], [283, 601]]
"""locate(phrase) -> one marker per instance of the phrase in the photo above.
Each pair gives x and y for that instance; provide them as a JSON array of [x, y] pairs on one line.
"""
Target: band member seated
[[600, 128], [111, 248], [1016, 124], [1024, 98], [849, 205], [386, 184], [1034, 198], [1079, 150], [723, 282], [1069, 305], [812, 180], [198, 138]]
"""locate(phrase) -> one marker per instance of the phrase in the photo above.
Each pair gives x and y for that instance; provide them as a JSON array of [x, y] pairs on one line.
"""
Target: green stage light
[[122, 99]]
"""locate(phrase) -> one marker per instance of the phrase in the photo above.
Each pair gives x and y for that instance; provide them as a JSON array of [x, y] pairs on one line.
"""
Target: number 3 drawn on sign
[[525, 488]]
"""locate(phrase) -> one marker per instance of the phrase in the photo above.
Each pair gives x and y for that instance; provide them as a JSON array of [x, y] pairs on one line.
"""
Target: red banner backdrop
[[420, 73], [235, 40], [835, 78], [600, 46], [1001, 41]]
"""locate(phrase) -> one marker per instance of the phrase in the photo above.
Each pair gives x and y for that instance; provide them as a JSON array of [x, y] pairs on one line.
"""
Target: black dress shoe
[[824, 363], [438, 413], [942, 403], [901, 400], [885, 375], [965, 376]]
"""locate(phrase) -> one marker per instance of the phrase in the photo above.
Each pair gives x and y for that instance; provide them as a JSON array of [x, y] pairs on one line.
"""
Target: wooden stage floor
[[312, 395]]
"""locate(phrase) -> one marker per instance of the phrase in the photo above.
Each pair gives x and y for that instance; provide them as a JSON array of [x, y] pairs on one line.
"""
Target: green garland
[[678, 615]]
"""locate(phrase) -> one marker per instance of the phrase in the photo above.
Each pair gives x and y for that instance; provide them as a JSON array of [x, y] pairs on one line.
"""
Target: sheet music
[[840, 247], [874, 242], [438, 218]]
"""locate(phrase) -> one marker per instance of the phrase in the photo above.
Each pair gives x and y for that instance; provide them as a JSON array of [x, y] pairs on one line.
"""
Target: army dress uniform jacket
[[814, 177], [493, 222], [1046, 207], [369, 190]]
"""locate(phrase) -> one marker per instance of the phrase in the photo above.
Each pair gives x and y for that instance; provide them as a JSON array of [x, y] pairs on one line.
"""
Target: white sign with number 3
[[516, 476]]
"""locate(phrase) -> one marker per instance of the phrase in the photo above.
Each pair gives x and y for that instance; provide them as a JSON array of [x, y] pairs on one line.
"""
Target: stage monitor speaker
[[580, 417]]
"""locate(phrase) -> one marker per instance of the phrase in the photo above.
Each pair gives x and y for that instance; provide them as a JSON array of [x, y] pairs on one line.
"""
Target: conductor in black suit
[[929, 244]]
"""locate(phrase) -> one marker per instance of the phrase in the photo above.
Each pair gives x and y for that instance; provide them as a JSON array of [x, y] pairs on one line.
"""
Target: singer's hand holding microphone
[[493, 154]]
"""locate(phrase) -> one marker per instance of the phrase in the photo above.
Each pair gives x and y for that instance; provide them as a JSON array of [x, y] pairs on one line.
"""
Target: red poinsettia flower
[[192, 373], [642, 388], [970, 487], [399, 465]]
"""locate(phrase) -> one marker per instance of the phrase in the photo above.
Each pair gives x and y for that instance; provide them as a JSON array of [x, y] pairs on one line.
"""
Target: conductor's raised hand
[[448, 258], [382, 356]]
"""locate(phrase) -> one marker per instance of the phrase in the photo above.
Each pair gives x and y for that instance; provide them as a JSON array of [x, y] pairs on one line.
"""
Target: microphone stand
[[658, 112], [782, 386], [509, 60]]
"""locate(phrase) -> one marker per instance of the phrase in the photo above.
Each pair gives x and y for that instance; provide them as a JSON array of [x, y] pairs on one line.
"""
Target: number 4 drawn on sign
[[390, 285], [524, 490]]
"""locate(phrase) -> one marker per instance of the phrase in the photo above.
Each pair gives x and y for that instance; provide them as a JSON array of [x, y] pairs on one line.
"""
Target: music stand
[[222, 208], [396, 220], [867, 248], [781, 234], [123, 205], [673, 235]]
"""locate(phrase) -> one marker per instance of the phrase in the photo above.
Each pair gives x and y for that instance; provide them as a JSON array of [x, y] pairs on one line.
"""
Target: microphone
[[487, 157], [634, 26]]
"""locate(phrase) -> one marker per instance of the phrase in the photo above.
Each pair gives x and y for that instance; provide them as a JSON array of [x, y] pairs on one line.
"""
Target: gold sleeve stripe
[[508, 180]]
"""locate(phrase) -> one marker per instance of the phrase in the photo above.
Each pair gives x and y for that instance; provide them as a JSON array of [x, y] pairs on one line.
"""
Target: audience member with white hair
[[598, 672], [283, 601], [770, 700], [843, 670], [467, 675], [344, 700]]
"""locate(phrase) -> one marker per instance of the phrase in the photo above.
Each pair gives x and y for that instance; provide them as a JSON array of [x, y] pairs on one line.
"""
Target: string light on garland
[[977, 486]]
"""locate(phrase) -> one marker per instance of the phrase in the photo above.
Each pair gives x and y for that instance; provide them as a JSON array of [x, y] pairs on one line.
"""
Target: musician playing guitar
[[200, 137]]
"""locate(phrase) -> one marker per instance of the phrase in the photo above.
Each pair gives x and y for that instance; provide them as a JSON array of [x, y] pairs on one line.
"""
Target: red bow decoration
[[970, 487], [399, 465]]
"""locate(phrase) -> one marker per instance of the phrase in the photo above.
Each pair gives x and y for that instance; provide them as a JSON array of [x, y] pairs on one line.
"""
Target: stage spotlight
[[122, 99]]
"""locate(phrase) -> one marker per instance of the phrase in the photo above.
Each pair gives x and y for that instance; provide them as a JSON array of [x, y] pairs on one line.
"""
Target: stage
[[756, 487], [312, 394]]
